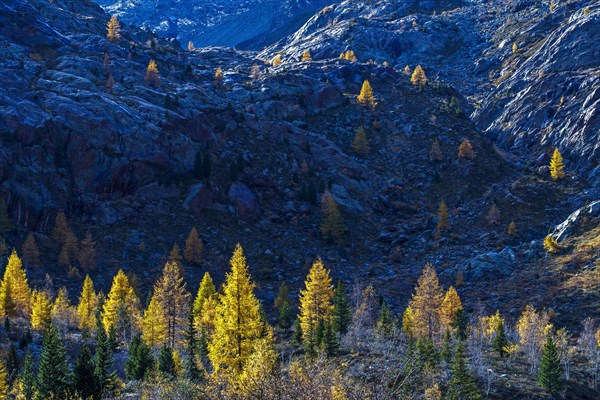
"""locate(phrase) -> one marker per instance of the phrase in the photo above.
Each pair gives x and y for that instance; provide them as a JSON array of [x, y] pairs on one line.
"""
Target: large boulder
[[199, 198], [244, 201]]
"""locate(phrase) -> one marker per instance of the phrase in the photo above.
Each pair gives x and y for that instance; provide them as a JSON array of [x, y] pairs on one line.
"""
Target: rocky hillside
[[243, 24], [469, 45], [82, 131]]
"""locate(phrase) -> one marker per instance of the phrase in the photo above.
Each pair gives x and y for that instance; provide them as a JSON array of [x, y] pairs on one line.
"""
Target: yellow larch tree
[[88, 303], [238, 325], [443, 222], [113, 29], [557, 166], [418, 77], [491, 323], [193, 248], [259, 367], [41, 310], [14, 292], [154, 324], [450, 305], [551, 245], [206, 290], [4, 386], [366, 97], [465, 151], [533, 328], [306, 56], [122, 304], [276, 61], [63, 313], [219, 77], [426, 304], [315, 299], [408, 322], [152, 76], [170, 291]]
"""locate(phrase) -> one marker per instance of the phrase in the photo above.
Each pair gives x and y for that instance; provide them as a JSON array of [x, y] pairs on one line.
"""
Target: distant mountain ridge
[[248, 24]]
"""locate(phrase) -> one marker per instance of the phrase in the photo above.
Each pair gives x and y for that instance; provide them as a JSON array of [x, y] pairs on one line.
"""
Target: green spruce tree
[[342, 314], [385, 322], [27, 378], [105, 379], [192, 372], [500, 341], [54, 375], [84, 374], [462, 385], [166, 364], [285, 315], [550, 369]]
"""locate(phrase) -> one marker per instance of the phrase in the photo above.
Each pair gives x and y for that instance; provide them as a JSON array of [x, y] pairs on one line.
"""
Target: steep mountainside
[[243, 24]]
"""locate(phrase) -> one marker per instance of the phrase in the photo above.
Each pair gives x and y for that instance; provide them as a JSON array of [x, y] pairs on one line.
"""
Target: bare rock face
[[199, 198], [243, 200], [550, 91]]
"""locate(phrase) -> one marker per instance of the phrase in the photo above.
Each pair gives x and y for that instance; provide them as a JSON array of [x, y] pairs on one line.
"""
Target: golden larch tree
[[332, 224], [360, 144], [88, 303], [315, 299], [152, 76], [306, 56], [4, 386], [41, 310], [450, 305], [408, 322], [121, 303], [418, 77], [62, 313], [533, 328], [276, 61], [206, 290], [31, 252], [512, 229], [238, 324], [15, 293], [154, 324], [219, 77], [366, 97], [557, 166], [170, 291], [113, 29], [465, 151], [551, 245], [193, 248], [426, 304], [443, 220], [259, 367]]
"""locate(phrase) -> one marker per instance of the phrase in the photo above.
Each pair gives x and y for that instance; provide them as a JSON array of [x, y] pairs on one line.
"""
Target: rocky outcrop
[[564, 229]]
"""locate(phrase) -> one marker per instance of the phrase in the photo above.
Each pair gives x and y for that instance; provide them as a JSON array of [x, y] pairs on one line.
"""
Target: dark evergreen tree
[[54, 375], [106, 381], [550, 370], [13, 363], [462, 385], [192, 372], [460, 322], [385, 322], [207, 165], [500, 341], [342, 315], [427, 353], [285, 315], [140, 360], [166, 364], [329, 341], [84, 374], [28, 378]]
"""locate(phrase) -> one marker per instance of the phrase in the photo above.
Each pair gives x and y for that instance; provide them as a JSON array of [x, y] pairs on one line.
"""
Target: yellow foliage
[[366, 97], [238, 324], [276, 61], [171, 293], [306, 56], [193, 248], [152, 76], [86, 309], [551, 245], [14, 291], [41, 309], [433, 393], [512, 229], [315, 299], [120, 299], [3, 381], [426, 304], [450, 305], [154, 324], [557, 166], [491, 323], [113, 29], [408, 322], [443, 222], [465, 151], [219, 77], [418, 77]]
